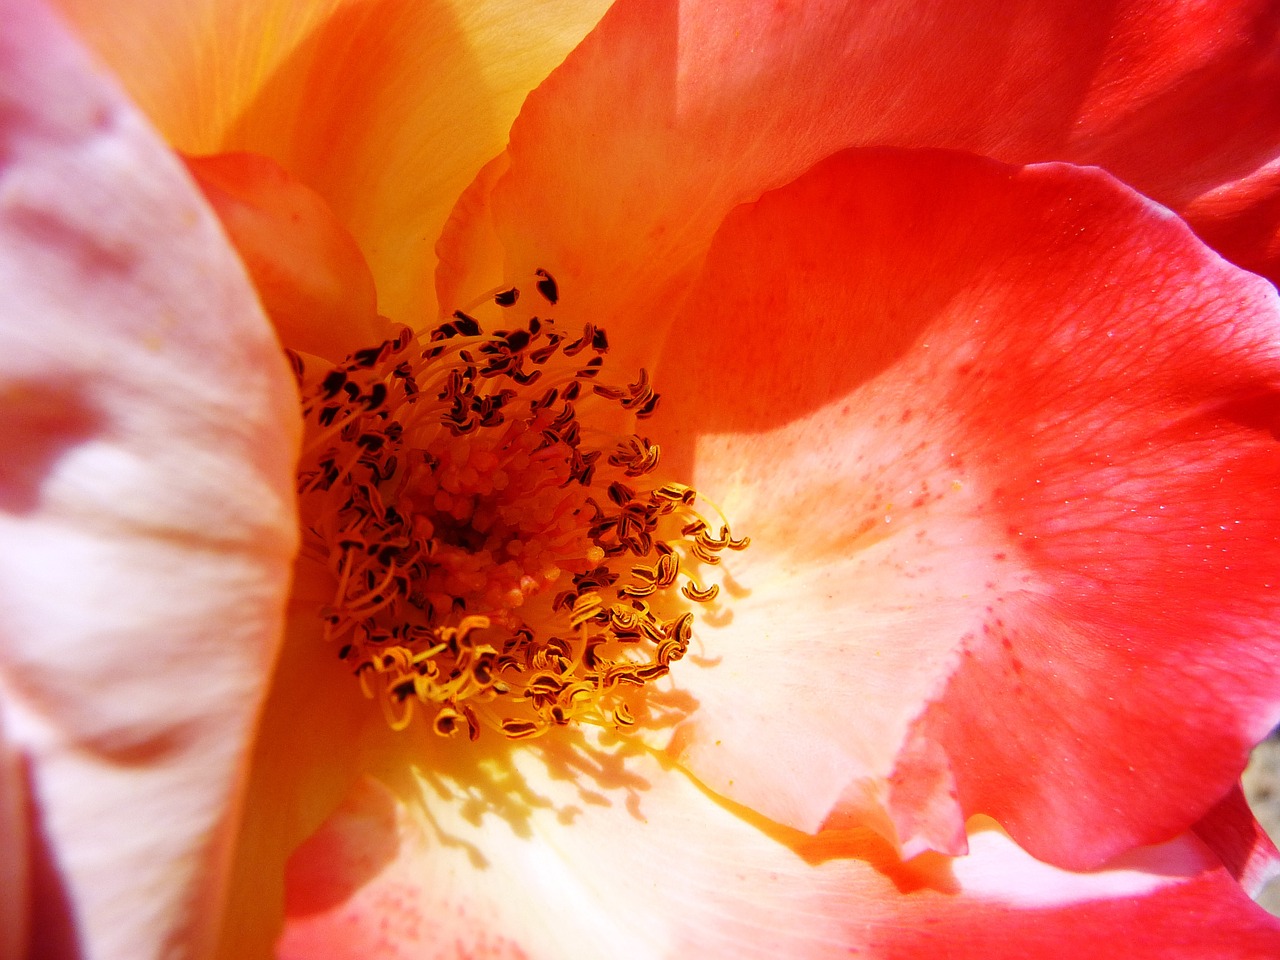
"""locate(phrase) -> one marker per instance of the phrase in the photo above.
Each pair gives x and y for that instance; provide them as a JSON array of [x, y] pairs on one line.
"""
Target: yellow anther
[[585, 609], [698, 594]]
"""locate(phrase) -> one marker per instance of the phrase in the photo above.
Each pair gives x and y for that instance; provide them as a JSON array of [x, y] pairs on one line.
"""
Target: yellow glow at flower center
[[496, 558]]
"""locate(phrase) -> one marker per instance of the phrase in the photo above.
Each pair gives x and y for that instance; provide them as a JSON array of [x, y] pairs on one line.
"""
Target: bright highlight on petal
[[509, 857]]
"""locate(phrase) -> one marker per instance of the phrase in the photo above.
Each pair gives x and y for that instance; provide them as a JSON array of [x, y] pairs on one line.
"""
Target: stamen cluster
[[495, 559]]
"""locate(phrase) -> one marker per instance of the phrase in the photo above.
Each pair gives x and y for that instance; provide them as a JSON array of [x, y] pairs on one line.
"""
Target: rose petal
[[575, 851], [669, 114], [1004, 441], [146, 518], [1240, 842], [471, 255], [15, 883], [385, 107], [1241, 220], [316, 734], [310, 275]]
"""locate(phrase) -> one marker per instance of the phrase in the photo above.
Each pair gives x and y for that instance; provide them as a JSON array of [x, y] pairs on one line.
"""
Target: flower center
[[497, 559]]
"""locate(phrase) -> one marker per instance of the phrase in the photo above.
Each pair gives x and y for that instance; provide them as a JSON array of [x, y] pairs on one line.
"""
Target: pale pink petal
[[671, 112], [146, 516], [387, 108], [1005, 443], [566, 852]]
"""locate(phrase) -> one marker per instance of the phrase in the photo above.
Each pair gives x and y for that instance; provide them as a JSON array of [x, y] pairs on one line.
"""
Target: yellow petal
[[387, 108]]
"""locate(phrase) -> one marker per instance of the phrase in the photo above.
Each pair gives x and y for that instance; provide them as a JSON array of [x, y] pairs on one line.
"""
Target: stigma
[[501, 558]]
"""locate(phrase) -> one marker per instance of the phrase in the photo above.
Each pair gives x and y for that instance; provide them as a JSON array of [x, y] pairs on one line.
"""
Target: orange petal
[[574, 852], [385, 107], [309, 273], [147, 513]]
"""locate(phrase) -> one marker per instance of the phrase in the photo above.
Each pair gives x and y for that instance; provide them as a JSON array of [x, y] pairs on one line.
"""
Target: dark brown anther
[[467, 325], [546, 400], [547, 286], [507, 298], [577, 346], [368, 357], [647, 410], [543, 354]]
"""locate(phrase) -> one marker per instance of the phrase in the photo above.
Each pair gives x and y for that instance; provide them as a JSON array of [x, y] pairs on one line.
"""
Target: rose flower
[[803, 493]]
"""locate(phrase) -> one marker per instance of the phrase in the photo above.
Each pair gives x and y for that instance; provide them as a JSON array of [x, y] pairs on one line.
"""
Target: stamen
[[496, 560]]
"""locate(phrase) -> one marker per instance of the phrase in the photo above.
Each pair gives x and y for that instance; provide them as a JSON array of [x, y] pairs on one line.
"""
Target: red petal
[[1005, 443], [625, 160], [1241, 220], [1034, 911], [573, 853], [1239, 841], [146, 509]]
